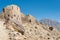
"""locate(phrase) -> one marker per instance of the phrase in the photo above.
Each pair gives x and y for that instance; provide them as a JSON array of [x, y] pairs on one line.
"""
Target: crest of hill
[[30, 16], [21, 27]]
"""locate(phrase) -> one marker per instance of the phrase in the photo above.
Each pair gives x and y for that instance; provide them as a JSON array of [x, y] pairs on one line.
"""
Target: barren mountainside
[[14, 25], [50, 23]]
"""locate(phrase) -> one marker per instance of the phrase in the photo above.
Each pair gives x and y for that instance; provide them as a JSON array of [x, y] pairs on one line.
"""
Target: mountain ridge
[[21, 27], [51, 23]]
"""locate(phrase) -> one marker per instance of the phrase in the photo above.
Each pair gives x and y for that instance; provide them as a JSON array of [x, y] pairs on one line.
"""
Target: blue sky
[[38, 8]]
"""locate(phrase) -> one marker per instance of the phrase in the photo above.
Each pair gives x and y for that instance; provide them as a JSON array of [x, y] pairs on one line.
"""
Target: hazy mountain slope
[[50, 23]]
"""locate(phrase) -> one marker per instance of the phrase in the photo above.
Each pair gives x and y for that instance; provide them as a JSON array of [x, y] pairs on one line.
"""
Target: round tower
[[12, 12]]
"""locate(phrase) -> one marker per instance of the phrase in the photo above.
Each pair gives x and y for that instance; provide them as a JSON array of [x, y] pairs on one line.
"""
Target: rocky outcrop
[[16, 26]]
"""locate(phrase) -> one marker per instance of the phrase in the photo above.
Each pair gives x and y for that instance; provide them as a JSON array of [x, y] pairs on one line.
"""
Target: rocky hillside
[[14, 25], [50, 23]]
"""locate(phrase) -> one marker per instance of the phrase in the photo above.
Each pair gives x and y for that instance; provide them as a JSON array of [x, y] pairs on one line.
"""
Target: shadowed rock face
[[50, 23], [16, 26]]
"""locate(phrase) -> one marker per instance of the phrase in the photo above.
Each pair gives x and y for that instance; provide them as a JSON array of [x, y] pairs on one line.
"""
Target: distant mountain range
[[51, 23]]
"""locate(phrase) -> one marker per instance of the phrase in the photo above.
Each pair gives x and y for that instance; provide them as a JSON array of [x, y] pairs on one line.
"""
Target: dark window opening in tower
[[11, 17], [30, 20], [12, 7], [3, 10], [8, 15], [14, 15]]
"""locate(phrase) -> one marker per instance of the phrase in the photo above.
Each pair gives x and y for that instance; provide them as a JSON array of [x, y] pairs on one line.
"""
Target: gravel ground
[[3, 32]]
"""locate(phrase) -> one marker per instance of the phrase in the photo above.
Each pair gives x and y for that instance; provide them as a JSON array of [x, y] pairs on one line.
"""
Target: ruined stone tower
[[12, 12]]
